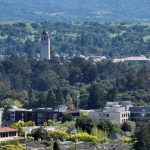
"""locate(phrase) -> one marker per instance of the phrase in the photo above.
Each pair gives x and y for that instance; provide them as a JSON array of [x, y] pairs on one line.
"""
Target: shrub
[[84, 137], [13, 147], [30, 138], [126, 139], [58, 135], [102, 136], [19, 125]]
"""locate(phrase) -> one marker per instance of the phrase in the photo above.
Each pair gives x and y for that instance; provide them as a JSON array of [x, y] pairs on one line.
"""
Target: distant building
[[38, 115], [140, 113], [41, 115], [1, 115], [113, 111], [45, 46], [9, 134], [20, 114], [132, 58]]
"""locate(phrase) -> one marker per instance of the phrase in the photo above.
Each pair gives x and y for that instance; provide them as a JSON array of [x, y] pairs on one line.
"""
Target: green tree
[[67, 118], [56, 146], [128, 126], [143, 138], [85, 123], [97, 96], [59, 96], [51, 98], [39, 133], [32, 97], [69, 102], [106, 125]]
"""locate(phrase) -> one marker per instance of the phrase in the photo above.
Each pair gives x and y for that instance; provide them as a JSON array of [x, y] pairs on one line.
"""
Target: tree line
[[27, 82], [85, 38]]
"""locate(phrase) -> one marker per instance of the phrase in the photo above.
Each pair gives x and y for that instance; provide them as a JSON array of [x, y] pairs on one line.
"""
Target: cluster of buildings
[[132, 58], [114, 111]]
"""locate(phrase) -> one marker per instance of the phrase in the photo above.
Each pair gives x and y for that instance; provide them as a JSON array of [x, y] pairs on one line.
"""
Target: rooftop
[[7, 129], [72, 111], [45, 33]]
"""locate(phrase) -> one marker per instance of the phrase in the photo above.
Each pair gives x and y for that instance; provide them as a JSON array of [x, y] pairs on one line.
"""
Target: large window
[[41, 115]]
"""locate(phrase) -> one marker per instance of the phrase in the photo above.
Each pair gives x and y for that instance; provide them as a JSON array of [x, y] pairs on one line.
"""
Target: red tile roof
[[72, 111], [7, 129]]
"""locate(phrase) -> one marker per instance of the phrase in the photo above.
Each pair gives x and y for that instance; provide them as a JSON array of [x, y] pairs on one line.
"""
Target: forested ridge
[[87, 38], [76, 10], [25, 81], [30, 82]]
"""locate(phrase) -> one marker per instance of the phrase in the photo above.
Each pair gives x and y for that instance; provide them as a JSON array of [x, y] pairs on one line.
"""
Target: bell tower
[[45, 46]]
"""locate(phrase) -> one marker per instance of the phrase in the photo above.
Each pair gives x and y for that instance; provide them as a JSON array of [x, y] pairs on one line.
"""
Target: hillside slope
[[75, 10]]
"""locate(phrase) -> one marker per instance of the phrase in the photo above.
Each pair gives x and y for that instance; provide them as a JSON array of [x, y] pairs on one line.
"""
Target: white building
[[45, 47], [132, 58], [1, 115], [113, 112]]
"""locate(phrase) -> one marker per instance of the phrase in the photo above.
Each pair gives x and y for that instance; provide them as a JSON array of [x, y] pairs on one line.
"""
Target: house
[[9, 134]]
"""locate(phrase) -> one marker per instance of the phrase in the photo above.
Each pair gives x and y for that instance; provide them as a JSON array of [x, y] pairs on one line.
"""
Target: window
[[41, 115]]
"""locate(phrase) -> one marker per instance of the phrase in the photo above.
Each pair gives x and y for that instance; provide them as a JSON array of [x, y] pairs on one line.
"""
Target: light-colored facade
[[113, 112], [1, 115], [45, 46], [132, 58], [7, 134]]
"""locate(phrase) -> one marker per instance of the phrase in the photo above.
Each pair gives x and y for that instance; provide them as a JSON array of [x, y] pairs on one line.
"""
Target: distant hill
[[75, 10]]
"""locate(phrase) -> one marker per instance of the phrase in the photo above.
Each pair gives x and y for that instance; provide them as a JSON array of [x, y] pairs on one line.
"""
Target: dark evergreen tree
[[106, 125], [56, 146], [39, 133], [85, 123]]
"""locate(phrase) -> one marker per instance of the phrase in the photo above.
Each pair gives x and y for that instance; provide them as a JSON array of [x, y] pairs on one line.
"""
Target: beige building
[[8, 134], [113, 111]]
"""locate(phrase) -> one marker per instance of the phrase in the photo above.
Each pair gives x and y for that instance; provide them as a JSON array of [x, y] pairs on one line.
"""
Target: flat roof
[[72, 111], [140, 108]]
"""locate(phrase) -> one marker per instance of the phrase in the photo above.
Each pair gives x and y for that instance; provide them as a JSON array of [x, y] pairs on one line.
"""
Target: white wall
[[1, 115], [96, 116]]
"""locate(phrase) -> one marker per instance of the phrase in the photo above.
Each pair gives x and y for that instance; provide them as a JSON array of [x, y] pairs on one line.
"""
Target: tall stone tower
[[45, 46]]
